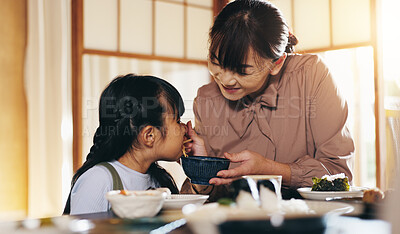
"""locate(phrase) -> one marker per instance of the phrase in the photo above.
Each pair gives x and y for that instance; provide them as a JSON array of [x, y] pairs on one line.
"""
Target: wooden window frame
[[78, 51], [380, 179]]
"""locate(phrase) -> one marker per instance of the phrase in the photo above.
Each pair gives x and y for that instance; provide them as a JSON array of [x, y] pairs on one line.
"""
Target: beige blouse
[[299, 120]]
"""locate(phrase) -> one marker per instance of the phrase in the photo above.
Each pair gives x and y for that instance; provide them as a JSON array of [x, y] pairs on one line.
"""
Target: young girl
[[139, 124]]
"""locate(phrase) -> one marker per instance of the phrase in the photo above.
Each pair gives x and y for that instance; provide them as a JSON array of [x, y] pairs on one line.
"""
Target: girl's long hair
[[128, 104]]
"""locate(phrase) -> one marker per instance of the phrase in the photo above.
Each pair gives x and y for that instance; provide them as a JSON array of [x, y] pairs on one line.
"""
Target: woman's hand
[[197, 146], [251, 163]]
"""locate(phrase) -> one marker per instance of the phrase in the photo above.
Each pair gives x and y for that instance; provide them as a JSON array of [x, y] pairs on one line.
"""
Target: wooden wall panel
[[13, 119]]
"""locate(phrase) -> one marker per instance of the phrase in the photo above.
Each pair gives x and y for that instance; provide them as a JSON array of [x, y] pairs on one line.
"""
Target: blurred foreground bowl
[[201, 169], [136, 204]]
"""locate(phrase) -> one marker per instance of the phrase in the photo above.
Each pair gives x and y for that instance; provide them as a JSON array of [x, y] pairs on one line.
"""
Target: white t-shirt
[[88, 193]]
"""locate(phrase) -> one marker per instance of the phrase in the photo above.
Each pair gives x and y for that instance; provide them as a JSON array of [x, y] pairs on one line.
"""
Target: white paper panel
[[169, 29], [351, 21], [206, 3], [286, 7], [198, 24], [99, 70], [136, 26], [100, 24], [311, 24]]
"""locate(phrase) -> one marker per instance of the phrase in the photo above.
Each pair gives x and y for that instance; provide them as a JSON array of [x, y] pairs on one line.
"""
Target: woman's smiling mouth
[[230, 90]]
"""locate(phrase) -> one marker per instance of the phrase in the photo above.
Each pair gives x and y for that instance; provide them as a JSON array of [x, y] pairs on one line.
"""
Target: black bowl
[[201, 169], [307, 225]]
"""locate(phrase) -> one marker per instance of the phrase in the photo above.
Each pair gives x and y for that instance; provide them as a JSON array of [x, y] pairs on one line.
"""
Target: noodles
[[188, 140], [183, 147], [184, 151]]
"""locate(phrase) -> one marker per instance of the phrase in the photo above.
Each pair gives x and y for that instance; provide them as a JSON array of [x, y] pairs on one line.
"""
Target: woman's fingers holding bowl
[[227, 176], [241, 157], [235, 172], [220, 181], [235, 157], [250, 163]]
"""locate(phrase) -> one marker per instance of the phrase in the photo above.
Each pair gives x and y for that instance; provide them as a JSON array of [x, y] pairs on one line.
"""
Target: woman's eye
[[242, 73]]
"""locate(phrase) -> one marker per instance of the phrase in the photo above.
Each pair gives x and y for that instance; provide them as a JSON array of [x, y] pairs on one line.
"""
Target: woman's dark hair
[[127, 105], [245, 24]]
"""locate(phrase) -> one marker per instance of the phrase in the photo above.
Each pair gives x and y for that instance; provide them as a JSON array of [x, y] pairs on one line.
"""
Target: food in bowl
[[136, 204], [338, 182], [164, 190], [201, 169]]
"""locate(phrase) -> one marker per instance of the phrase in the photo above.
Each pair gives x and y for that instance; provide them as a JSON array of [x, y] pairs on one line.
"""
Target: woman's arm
[[197, 147], [332, 143]]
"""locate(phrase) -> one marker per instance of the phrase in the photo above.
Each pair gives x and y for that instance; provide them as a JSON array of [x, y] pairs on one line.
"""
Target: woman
[[269, 111]]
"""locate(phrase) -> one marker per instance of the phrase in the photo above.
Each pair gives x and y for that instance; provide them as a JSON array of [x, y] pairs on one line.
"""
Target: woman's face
[[235, 86]]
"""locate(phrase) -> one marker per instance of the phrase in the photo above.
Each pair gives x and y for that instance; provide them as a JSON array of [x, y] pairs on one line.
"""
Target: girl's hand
[[251, 163], [197, 146]]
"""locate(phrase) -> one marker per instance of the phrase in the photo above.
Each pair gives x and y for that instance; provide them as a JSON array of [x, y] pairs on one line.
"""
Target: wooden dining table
[[365, 218]]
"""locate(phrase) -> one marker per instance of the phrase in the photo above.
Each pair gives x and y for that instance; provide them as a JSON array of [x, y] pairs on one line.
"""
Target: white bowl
[[137, 203], [177, 201]]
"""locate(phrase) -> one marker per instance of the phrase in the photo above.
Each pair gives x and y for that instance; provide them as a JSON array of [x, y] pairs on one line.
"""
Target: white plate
[[315, 208], [319, 195], [177, 201]]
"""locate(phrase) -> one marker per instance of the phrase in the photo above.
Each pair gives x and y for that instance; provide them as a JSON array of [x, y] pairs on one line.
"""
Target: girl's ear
[[278, 64], [147, 136]]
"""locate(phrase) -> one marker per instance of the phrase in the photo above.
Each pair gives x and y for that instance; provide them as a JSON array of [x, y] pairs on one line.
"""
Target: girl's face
[[170, 147], [235, 86]]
